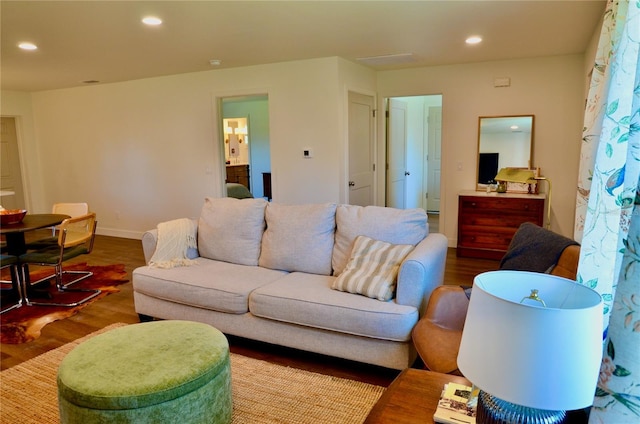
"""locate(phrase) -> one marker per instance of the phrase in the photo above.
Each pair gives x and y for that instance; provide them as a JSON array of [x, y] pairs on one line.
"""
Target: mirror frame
[[483, 187]]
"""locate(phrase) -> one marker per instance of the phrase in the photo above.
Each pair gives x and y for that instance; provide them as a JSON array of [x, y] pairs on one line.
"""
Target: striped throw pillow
[[372, 268]]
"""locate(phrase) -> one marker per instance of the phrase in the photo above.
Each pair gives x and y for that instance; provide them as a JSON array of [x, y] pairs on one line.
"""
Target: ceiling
[[105, 41]]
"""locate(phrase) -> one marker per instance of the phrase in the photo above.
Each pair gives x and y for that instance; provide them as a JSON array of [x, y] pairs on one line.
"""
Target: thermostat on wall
[[307, 153]]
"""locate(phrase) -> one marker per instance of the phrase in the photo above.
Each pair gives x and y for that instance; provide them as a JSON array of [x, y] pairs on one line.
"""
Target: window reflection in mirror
[[503, 141]]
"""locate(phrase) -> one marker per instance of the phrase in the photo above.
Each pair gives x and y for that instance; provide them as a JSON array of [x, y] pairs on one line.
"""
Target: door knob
[[352, 183], [407, 173]]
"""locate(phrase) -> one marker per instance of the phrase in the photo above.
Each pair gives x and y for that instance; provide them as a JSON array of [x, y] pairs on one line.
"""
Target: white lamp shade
[[526, 353]]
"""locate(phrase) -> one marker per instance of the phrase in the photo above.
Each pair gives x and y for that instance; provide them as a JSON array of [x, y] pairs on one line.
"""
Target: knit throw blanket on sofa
[[174, 238]]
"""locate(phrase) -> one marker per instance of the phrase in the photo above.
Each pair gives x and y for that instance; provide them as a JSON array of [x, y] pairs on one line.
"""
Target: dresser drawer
[[486, 238], [486, 224], [501, 205], [490, 220]]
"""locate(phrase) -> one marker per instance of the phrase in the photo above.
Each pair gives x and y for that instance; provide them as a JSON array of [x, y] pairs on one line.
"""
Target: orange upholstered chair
[[438, 333]]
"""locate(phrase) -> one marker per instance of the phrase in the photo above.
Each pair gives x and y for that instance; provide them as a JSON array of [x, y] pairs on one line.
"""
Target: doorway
[[11, 188], [245, 130], [413, 132], [361, 149]]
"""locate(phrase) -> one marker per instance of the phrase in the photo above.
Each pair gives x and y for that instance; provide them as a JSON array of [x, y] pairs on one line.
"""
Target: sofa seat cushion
[[214, 285], [308, 300]]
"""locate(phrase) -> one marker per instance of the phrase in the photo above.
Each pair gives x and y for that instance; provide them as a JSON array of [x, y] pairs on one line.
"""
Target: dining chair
[[10, 261], [70, 209], [76, 237]]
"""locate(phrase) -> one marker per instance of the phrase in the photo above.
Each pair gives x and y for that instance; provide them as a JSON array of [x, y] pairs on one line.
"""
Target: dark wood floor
[[118, 307]]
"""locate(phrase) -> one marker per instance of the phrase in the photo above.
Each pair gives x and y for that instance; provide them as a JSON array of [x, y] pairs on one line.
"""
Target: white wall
[[551, 88], [138, 152]]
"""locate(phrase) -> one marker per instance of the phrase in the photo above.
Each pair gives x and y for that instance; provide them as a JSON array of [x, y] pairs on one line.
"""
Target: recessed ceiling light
[[474, 39], [215, 62], [27, 46], [151, 20]]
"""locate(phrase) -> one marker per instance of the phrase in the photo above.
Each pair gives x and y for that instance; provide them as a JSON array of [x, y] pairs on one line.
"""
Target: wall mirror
[[503, 141]]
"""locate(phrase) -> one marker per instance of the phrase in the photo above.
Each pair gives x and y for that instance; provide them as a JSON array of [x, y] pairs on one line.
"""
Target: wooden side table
[[411, 398]]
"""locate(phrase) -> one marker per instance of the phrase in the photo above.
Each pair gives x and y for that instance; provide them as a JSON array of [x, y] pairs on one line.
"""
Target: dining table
[[15, 233]]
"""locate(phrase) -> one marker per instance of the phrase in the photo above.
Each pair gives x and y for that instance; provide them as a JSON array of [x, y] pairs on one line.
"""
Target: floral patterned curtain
[[606, 224]]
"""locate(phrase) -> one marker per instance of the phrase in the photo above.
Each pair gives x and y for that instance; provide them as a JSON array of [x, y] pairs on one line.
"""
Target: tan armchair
[[438, 333]]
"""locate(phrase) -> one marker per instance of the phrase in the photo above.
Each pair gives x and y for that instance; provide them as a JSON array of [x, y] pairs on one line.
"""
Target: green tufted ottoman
[[155, 372]]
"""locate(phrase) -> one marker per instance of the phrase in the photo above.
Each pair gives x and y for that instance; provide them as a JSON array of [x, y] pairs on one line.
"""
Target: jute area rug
[[263, 393]]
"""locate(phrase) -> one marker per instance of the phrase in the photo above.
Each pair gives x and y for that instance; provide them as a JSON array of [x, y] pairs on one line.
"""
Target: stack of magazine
[[457, 405]]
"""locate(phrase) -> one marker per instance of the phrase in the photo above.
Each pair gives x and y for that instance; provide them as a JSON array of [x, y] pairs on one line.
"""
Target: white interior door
[[434, 158], [10, 172], [361, 152], [397, 154]]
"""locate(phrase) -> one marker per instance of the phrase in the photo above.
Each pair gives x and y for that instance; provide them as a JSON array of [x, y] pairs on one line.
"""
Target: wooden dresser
[[487, 221], [238, 174]]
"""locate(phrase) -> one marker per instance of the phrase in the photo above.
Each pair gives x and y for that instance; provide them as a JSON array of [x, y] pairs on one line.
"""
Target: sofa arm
[[422, 271], [149, 241]]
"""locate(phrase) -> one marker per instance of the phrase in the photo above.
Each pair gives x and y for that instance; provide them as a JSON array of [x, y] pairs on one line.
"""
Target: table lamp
[[526, 176], [532, 344]]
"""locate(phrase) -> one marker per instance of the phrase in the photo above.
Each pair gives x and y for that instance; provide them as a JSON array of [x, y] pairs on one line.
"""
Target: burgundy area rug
[[24, 324]]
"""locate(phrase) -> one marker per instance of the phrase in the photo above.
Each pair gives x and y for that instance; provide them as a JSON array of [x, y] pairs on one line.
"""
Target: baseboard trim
[[113, 232]]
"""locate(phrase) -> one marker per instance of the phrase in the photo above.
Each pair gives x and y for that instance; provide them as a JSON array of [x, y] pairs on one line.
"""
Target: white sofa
[[265, 271]]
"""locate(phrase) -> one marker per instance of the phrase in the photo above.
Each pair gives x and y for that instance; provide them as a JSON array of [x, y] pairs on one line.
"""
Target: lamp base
[[492, 410]]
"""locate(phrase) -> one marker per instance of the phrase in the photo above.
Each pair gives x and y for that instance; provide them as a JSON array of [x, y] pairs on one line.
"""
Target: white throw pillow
[[299, 238], [230, 230], [395, 226], [372, 269]]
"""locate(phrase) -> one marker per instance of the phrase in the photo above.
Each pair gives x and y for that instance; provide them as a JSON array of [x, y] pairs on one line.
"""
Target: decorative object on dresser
[[518, 180], [488, 221], [532, 343]]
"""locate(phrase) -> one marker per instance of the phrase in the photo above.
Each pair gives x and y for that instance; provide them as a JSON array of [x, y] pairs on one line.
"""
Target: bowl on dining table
[[12, 216]]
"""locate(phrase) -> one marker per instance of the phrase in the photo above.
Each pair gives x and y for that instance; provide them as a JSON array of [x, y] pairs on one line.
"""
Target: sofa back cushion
[[230, 230], [395, 226], [299, 237]]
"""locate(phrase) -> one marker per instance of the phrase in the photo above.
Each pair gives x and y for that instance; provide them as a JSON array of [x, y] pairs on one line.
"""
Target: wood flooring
[[119, 307]]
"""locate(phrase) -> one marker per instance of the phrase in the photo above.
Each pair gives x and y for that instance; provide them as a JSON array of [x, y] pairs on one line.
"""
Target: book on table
[[457, 405]]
